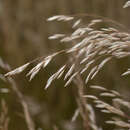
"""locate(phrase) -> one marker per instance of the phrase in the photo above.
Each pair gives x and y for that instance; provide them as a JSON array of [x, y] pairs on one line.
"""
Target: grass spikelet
[[17, 70], [119, 123], [56, 36], [76, 23], [57, 75], [98, 87], [107, 94], [90, 96], [60, 18], [90, 74], [70, 71], [70, 79], [127, 4], [32, 73]]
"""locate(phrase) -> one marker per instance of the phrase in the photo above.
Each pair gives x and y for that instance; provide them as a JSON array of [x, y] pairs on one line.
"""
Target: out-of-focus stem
[[28, 119], [81, 101]]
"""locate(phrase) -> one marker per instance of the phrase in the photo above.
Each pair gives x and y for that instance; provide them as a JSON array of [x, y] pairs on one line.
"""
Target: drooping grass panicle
[[90, 44], [92, 48]]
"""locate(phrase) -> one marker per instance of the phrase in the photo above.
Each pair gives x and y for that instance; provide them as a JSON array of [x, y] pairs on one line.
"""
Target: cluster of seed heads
[[90, 45], [93, 47]]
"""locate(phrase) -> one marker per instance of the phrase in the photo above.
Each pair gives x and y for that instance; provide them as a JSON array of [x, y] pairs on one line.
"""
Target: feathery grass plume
[[92, 47], [117, 101]]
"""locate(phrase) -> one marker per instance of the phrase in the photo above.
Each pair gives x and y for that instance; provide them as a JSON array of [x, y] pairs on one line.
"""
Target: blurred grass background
[[24, 35]]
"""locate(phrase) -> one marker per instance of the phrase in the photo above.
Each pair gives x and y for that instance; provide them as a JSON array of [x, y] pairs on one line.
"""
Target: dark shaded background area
[[24, 35]]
